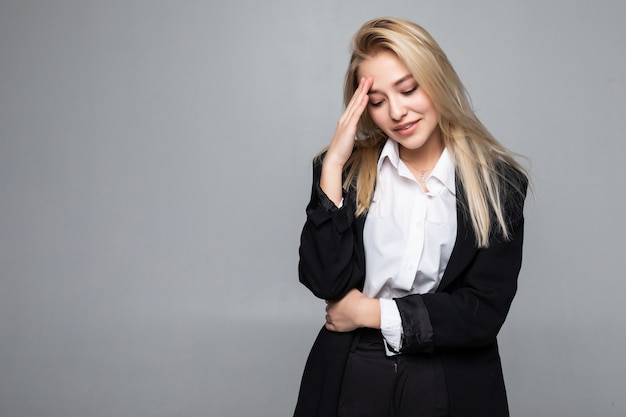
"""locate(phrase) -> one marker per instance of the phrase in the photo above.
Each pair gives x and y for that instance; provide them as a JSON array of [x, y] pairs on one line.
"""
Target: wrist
[[370, 313]]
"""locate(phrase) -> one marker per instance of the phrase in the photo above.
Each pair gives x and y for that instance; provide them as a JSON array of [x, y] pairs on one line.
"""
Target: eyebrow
[[397, 83]]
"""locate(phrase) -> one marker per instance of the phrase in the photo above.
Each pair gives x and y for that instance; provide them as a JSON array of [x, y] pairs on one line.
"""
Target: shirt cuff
[[391, 326]]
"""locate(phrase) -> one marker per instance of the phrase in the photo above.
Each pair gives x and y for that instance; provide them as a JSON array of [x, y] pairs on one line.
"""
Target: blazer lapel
[[464, 246]]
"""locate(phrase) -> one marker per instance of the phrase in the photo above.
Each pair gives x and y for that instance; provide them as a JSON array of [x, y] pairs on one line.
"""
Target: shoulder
[[513, 182], [511, 176], [513, 186]]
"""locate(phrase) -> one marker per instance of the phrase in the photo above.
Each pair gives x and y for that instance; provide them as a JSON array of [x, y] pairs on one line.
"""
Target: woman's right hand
[[341, 146]]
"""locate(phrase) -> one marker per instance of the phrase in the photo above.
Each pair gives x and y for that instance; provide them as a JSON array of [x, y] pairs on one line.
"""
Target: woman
[[414, 239]]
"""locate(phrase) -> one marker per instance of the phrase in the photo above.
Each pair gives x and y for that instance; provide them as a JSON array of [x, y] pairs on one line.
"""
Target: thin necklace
[[421, 178]]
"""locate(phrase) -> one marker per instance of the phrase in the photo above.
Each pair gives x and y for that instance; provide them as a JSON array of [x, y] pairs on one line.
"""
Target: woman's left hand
[[353, 311]]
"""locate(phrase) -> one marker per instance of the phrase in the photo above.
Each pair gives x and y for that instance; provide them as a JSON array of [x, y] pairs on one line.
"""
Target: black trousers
[[375, 385]]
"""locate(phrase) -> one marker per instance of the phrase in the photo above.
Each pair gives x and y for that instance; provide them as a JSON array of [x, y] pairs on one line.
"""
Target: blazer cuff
[[416, 325], [324, 209]]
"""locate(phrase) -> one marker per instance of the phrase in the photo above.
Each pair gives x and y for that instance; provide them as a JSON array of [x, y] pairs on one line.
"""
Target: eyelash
[[404, 93]]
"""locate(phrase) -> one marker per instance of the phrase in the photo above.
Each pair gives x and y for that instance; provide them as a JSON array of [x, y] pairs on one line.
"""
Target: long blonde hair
[[479, 158]]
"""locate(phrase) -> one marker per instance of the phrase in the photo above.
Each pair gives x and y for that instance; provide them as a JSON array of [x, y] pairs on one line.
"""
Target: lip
[[406, 128]]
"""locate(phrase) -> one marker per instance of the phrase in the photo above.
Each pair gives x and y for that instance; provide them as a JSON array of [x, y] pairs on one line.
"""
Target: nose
[[397, 110]]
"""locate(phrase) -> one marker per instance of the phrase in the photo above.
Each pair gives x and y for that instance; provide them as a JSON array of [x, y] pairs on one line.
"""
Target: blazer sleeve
[[469, 311], [330, 263]]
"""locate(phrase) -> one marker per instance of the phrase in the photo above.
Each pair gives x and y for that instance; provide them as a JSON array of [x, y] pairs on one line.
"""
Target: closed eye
[[410, 91]]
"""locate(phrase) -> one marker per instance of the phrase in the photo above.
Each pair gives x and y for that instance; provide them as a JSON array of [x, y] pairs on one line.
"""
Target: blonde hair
[[481, 161]]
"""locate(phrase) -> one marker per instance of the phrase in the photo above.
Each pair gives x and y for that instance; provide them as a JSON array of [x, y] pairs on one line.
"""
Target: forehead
[[385, 67]]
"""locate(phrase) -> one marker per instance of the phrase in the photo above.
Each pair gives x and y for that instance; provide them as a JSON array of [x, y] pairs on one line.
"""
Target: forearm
[[330, 265], [331, 180]]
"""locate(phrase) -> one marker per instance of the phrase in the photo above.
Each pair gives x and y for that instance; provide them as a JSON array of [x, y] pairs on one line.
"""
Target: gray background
[[155, 166]]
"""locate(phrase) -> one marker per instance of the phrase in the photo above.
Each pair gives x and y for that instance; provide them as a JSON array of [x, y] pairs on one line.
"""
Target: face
[[398, 105]]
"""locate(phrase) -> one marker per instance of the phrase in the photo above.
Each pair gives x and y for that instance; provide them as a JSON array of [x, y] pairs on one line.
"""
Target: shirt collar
[[390, 152], [444, 170]]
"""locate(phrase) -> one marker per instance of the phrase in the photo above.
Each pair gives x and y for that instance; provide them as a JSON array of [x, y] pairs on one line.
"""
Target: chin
[[410, 144]]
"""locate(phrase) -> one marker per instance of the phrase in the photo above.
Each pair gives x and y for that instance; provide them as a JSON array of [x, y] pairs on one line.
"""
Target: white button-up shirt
[[408, 236]]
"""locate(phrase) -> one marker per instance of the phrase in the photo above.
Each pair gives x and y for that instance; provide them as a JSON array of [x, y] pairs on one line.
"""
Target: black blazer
[[459, 322]]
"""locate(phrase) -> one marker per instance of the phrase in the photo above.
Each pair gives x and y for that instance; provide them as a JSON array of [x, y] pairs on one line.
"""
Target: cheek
[[377, 116], [423, 101]]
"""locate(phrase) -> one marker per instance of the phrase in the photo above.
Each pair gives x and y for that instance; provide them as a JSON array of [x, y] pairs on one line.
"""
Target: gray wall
[[155, 165]]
